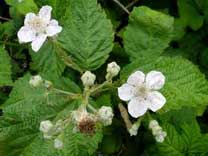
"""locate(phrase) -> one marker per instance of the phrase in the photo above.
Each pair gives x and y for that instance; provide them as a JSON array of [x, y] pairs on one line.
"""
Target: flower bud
[[133, 130], [161, 136], [152, 124], [105, 115], [58, 144], [112, 70], [35, 81], [45, 126], [88, 79]]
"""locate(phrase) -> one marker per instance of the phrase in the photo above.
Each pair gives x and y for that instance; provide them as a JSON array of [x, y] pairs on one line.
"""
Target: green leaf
[[185, 85], [23, 7], [184, 141], [148, 33], [189, 14], [47, 61], [22, 114], [5, 68], [87, 34]]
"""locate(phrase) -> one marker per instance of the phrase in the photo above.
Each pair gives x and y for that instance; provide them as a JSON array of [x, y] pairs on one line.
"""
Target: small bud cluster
[[36, 81], [88, 79], [157, 131], [50, 131], [112, 70], [105, 115]]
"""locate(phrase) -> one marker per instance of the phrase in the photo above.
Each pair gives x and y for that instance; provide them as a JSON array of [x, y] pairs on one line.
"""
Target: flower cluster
[[157, 131], [37, 28], [50, 131], [142, 92], [105, 115]]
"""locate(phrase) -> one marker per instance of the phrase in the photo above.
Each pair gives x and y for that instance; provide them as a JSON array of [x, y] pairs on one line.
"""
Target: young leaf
[[5, 68], [148, 33], [185, 85], [87, 34]]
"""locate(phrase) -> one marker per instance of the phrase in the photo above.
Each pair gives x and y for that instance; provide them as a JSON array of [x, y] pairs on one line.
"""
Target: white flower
[[45, 126], [105, 115], [58, 144], [112, 70], [35, 81], [141, 92], [88, 79], [133, 130], [37, 28]]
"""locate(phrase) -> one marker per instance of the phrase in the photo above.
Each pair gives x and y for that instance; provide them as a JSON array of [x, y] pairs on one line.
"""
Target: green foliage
[[48, 62], [185, 84], [87, 39], [189, 14], [22, 7], [186, 141], [5, 68], [148, 33]]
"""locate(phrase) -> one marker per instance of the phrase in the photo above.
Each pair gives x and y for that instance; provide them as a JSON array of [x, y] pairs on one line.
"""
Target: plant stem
[[125, 116], [122, 6], [131, 4], [65, 92], [4, 18]]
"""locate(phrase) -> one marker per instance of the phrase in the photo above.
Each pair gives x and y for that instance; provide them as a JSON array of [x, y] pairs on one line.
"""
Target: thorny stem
[[125, 116], [122, 6]]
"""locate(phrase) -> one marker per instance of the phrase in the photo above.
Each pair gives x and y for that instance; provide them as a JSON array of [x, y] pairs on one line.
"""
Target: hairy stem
[[122, 6], [125, 116]]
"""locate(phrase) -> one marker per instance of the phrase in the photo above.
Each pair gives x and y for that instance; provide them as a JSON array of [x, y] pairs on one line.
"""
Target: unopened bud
[[45, 126], [105, 115], [153, 123], [35, 81], [58, 144], [112, 70], [133, 130], [88, 79]]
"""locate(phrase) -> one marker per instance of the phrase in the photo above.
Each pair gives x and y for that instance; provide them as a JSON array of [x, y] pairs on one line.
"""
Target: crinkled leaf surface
[[5, 68], [22, 114], [185, 84], [47, 61], [184, 141], [148, 33], [87, 34]]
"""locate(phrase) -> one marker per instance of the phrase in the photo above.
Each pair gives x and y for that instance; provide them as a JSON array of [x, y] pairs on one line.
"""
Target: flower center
[[142, 90], [38, 24]]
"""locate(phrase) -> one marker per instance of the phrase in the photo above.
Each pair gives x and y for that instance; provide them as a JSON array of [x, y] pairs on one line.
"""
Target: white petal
[[137, 107], [53, 28], [126, 92], [45, 13], [26, 34], [29, 16], [38, 42], [155, 80], [136, 78], [157, 101]]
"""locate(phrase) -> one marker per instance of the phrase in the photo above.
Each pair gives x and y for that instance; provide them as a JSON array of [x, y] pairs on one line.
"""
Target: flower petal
[[38, 42], [45, 13], [155, 80], [137, 107], [157, 100], [53, 28], [26, 34], [29, 16], [126, 92], [136, 78]]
